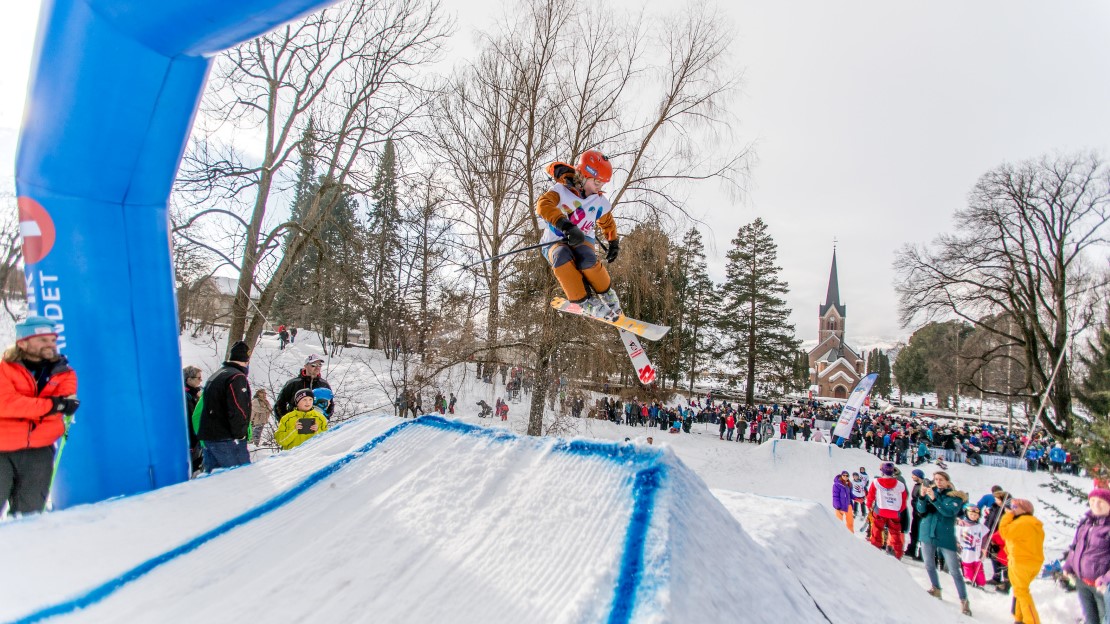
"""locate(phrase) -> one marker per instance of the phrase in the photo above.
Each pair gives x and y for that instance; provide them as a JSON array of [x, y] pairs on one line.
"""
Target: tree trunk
[[240, 307], [543, 372]]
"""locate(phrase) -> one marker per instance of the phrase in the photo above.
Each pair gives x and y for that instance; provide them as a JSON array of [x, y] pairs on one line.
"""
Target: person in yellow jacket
[[300, 424], [1024, 536]]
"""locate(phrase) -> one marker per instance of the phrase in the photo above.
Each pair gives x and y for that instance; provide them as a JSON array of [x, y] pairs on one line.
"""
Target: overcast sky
[[871, 119]]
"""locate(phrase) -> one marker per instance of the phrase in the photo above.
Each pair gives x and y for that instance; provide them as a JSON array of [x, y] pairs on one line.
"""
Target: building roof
[[832, 297], [227, 286], [840, 364], [837, 348]]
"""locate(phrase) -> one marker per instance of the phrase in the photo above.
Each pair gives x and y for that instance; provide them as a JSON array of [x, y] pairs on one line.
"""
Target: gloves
[[65, 406], [574, 235], [614, 250]]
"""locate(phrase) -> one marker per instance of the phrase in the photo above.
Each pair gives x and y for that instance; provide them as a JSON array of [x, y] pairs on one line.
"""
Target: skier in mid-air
[[573, 206]]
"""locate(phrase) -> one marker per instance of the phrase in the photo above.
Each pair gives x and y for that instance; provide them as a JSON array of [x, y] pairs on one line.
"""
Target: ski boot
[[595, 307], [610, 299]]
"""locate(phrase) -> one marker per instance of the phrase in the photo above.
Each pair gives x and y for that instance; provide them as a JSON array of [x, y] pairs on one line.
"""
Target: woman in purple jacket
[[1088, 559], [842, 499]]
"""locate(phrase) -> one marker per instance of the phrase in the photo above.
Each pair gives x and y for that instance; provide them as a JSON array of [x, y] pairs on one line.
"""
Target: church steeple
[[832, 297]]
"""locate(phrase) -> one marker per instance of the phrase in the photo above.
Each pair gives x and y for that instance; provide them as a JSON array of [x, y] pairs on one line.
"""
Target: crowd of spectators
[[911, 439]]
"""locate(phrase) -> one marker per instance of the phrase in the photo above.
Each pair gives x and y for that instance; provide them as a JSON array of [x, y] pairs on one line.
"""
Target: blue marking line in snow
[[102, 591], [646, 483]]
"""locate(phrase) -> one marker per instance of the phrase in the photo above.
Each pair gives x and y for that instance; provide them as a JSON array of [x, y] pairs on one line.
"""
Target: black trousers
[[25, 479]]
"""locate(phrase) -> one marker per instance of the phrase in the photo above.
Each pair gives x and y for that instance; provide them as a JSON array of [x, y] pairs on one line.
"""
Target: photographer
[[916, 494], [939, 507]]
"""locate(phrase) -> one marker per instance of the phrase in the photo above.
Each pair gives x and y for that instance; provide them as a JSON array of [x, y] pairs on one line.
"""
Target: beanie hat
[[240, 352], [1021, 505], [887, 469], [302, 393], [34, 325], [919, 473], [1104, 494]]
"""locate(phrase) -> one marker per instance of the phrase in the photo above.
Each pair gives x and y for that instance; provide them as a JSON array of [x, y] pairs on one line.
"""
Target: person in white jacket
[[970, 537]]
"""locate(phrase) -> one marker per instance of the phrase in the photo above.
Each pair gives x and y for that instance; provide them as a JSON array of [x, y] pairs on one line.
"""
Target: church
[[835, 368]]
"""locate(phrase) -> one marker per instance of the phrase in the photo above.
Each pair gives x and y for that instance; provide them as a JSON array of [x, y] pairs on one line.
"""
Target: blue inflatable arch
[[114, 87]]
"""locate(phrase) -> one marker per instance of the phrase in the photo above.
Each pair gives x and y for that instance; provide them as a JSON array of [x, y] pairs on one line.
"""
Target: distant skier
[[571, 208]]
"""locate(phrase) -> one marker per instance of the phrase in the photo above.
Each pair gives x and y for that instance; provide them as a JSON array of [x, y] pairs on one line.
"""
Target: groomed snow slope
[[387, 520]]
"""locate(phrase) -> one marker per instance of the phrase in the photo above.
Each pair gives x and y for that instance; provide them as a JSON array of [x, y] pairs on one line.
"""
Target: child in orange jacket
[[573, 206]]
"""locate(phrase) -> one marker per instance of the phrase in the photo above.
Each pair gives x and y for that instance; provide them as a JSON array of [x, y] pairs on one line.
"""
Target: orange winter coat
[[1024, 536], [26, 419]]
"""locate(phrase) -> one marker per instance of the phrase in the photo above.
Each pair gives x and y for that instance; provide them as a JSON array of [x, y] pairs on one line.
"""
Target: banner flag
[[851, 408]]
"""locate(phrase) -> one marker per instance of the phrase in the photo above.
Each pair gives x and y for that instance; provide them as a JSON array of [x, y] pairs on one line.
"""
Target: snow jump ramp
[[389, 520]]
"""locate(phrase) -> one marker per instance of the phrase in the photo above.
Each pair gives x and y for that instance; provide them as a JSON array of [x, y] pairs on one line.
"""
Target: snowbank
[[390, 520]]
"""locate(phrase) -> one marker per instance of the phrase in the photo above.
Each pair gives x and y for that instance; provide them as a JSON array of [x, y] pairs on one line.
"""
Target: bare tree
[[11, 252], [351, 69], [658, 147], [1020, 249]]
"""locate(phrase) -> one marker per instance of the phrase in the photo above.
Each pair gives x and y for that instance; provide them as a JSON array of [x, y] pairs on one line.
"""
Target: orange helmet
[[594, 164]]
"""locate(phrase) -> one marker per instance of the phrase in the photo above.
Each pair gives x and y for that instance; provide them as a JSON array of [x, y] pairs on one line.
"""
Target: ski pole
[[68, 421], [511, 252]]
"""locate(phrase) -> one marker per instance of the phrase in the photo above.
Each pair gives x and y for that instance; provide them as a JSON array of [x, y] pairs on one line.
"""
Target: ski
[[644, 369], [649, 331]]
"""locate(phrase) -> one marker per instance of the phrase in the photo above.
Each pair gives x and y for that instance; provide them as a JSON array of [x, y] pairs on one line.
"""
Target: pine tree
[[291, 300], [384, 226], [340, 270], [696, 299], [882, 384], [1093, 392], [757, 335]]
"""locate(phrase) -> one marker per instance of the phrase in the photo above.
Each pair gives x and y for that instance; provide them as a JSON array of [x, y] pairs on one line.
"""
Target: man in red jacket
[[886, 498], [37, 390]]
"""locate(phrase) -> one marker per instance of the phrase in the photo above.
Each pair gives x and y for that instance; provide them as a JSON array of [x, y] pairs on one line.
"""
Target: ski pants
[[893, 527], [951, 561], [1021, 575], [25, 479], [847, 518], [859, 506], [574, 266], [1095, 609], [973, 573], [915, 530]]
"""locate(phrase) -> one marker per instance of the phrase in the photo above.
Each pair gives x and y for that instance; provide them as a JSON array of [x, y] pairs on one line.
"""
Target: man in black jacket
[[309, 378], [226, 416]]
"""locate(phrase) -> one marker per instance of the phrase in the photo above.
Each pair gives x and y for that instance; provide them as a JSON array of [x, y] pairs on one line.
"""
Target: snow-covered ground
[[378, 520]]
